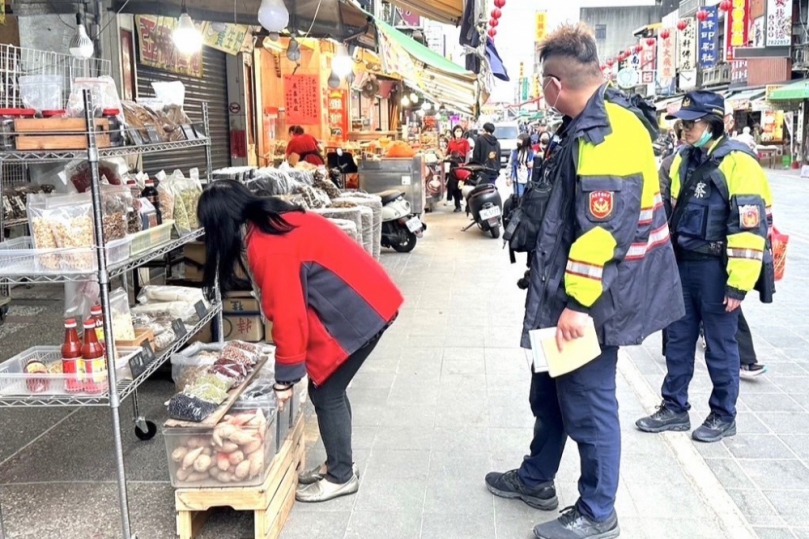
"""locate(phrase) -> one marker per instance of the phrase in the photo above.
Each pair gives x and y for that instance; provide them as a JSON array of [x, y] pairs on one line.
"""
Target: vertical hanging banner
[[687, 46], [302, 99], [541, 26], [779, 23], [666, 60], [737, 31], [648, 61], [708, 39]]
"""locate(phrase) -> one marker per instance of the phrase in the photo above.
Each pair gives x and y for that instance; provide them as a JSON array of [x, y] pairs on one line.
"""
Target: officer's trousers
[[582, 405], [704, 294]]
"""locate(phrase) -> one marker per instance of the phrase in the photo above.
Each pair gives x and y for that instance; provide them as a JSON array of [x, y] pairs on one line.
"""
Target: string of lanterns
[[494, 21]]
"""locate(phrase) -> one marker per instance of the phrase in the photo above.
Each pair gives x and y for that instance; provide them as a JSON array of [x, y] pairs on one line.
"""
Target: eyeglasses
[[689, 124]]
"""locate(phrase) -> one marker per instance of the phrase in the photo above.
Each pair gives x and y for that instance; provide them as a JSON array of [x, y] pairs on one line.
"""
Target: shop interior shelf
[[53, 155], [125, 387], [113, 270]]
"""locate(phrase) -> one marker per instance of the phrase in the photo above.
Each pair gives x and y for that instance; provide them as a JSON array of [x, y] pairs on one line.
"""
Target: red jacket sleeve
[[284, 304]]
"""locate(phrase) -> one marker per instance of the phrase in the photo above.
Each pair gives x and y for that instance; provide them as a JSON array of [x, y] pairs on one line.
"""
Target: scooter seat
[[389, 196]]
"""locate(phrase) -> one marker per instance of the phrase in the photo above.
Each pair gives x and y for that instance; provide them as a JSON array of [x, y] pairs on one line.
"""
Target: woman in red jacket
[[328, 300], [458, 151]]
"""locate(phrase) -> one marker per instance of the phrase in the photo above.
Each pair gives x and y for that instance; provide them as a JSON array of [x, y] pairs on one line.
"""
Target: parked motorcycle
[[433, 186], [483, 202], [400, 227]]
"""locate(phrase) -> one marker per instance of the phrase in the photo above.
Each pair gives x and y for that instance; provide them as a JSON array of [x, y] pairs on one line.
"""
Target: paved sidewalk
[[765, 467], [444, 400]]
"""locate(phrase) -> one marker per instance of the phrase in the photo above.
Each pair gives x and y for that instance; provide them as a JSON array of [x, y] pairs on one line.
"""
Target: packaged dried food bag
[[193, 361], [164, 293], [184, 407], [104, 92], [122, 326], [187, 192]]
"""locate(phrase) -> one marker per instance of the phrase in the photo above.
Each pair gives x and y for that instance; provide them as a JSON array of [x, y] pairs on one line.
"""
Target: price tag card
[[154, 136], [134, 134], [202, 311], [179, 328], [141, 361]]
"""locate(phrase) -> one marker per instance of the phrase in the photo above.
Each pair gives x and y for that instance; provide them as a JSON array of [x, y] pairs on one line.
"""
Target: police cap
[[699, 104]]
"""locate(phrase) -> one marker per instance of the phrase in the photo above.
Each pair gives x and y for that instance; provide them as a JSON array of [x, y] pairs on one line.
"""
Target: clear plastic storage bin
[[18, 257], [205, 457], [15, 381], [147, 239]]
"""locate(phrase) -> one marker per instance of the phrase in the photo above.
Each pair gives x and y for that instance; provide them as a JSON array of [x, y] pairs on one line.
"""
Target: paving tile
[[468, 466], [399, 496], [681, 528], [755, 507], [773, 533], [799, 443], [395, 438], [729, 473], [752, 446], [383, 525], [777, 474], [460, 438], [770, 403], [385, 465], [303, 525], [790, 504], [786, 423], [458, 526]]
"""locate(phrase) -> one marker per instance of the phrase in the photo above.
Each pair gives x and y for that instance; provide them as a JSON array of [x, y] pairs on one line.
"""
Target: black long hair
[[223, 209]]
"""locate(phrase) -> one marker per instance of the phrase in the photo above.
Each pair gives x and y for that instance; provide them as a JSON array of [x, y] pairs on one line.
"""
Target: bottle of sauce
[[72, 364], [97, 314], [95, 364], [150, 193]]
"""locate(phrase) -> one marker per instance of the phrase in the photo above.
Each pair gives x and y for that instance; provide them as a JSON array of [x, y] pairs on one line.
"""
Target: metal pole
[[104, 285], [208, 158], [219, 326]]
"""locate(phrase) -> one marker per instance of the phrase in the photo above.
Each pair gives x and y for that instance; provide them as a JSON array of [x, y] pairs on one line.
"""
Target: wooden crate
[[270, 502], [59, 133]]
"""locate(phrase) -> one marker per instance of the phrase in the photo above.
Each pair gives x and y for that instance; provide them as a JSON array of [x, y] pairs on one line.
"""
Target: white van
[[506, 133]]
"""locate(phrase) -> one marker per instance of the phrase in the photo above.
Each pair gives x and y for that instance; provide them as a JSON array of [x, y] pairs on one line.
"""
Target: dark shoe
[[573, 525], [664, 419], [714, 429], [457, 210], [509, 485], [749, 372]]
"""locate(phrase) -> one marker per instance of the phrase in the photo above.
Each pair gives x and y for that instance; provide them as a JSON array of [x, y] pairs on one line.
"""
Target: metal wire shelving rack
[[117, 390]]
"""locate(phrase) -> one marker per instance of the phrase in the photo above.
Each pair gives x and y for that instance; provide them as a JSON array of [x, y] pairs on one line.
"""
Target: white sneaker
[[324, 490]]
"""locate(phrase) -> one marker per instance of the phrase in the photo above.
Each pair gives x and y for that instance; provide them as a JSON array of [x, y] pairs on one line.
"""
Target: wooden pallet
[[271, 502]]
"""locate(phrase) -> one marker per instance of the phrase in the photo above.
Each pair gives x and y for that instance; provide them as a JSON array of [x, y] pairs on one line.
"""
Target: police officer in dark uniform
[[720, 197]]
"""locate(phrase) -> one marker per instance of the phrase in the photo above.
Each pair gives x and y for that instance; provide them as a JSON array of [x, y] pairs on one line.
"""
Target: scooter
[[433, 186], [400, 227], [483, 202]]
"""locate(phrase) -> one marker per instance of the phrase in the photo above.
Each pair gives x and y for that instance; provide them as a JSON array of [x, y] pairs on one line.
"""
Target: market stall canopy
[[443, 80], [336, 19], [796, 91], [446, 11], [742, 101]]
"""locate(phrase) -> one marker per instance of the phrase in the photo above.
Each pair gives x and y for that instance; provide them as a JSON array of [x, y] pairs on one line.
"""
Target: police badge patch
[[749, 216], [601, 204]]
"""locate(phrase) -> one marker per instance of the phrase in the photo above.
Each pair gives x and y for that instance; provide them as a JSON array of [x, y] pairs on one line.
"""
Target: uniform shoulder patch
[[749, 216], [601, 204]]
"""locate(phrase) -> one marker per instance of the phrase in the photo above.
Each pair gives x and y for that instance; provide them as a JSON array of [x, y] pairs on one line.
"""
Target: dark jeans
[[704, 294], [581, 405], [747, 353], [493, 179], [334, 414], [453, 192]]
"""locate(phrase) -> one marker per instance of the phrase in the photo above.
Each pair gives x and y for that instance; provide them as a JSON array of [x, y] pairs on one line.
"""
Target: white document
[[546, 357]]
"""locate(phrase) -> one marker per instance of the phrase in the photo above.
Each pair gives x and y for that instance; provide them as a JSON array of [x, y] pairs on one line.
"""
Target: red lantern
[[496, 13], [611, 62], [650, 41], [492, 33], [500, 3], [726, 5], [682, 25], [638, 49], [603, 67], [702, 15], [493, 23], [665, 34]]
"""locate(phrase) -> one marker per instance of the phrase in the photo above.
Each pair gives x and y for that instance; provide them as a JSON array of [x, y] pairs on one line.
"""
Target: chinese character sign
[[687, 46], [541, 26], [648, 57], [156, 47], [665, 59], [302, 99], [709, 38], [779, 23], [737, 27]]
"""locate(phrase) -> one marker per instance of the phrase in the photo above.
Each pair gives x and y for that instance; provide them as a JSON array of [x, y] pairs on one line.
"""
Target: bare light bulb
[[342, 63], [273, 15], [334, 80], [414, 97], [81, 46], [186, 37], [294, 50], [405, 101]]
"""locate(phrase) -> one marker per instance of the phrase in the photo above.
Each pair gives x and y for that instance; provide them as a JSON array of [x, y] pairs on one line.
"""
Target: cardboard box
[[268, 332], [205, 335], [240, 303], [194, 259], [244, 328]]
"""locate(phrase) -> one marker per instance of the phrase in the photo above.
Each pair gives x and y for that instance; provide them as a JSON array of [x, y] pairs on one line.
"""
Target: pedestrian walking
[[720, 197], [521, 164], [328, 300], [487, 151], [602, 253]]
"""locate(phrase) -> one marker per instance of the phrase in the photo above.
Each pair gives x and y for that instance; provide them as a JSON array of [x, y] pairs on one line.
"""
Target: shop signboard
[[156, 47], [758, 33], [779, 23], [229, 39], [541, 26], [666, 59], [772, 126], [737, 31], [708, 38], [738, 72], [687, 46], [302, 99], [648, 63]]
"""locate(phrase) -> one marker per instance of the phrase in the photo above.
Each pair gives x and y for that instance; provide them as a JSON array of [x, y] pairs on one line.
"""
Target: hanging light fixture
[[414, 98], [342, 63], [405, 101], [294, 50], [187, 38], [273, 15], [81, 46], [334, 80]]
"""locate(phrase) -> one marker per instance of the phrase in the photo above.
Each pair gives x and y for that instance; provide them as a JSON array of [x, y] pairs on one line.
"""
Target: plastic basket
[[14, 381], [18, 257], [146, 239]]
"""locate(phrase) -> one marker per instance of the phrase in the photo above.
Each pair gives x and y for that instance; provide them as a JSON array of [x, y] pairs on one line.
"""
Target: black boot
[[664, 419], [509, 485]]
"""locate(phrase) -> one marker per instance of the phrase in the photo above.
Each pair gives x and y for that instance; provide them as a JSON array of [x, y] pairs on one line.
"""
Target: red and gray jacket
[[325, 296]]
